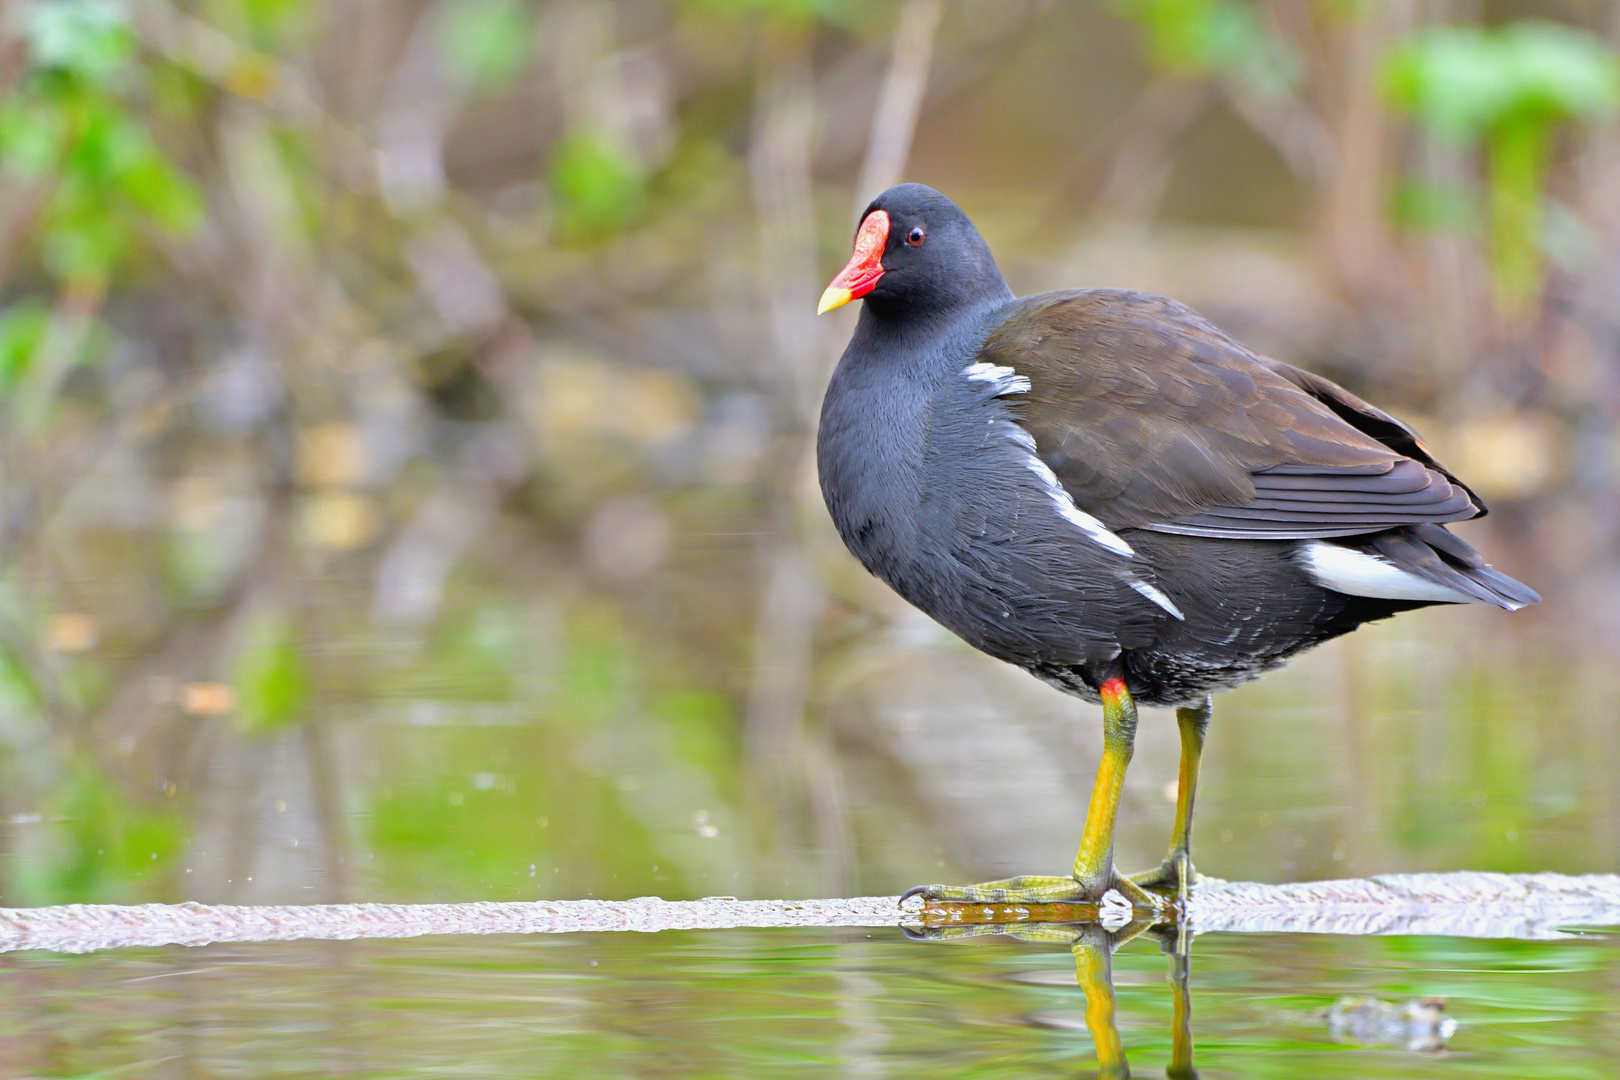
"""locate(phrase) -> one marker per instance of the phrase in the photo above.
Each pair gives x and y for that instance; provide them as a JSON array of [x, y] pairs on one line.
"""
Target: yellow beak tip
[[833, 298]]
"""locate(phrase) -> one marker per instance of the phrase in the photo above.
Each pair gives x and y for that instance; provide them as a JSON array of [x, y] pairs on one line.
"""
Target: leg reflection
[[1094, 970], [1173, 941], [1093, 946]]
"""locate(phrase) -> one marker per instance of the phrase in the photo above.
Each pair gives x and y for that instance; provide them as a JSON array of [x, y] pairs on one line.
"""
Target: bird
[[1100, 487]]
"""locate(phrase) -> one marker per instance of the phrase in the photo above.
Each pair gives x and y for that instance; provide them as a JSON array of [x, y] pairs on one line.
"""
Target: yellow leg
[[1176, 874], [1094, 873], [1096, 857]]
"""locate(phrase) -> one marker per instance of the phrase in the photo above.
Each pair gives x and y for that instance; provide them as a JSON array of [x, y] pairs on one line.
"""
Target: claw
[[917, 890], [1137, 896], [1172, 878]]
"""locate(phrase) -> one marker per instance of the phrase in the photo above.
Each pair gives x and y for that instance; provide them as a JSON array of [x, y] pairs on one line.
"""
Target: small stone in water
[[1418, 1024]]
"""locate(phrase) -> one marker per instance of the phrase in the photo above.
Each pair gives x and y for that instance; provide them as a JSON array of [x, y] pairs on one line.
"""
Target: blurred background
[[406, 411]]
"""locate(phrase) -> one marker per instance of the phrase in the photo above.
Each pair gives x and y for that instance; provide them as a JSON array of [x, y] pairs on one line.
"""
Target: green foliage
[[19, 699], [489, 43], [598, 186], [831, 10], [1463, 82], [271, 681], [1214, 37], [269, 20], [22, 331], [111, 178], [1508, 89], [68, 139], [1433, 207], [89, 39], [96, 848]]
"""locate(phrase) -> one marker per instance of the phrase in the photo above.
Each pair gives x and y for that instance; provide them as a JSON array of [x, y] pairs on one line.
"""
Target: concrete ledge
[[1460, 904]]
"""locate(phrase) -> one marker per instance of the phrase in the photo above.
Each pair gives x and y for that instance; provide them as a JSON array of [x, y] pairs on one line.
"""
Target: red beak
[[865, 266]]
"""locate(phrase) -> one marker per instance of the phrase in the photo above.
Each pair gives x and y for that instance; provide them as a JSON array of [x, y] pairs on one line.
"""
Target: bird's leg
[[1094, 865], [1094, 873], [1176, 874]]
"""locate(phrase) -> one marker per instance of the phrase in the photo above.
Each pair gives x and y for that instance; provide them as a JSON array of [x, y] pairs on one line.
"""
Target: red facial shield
[[865, 266]]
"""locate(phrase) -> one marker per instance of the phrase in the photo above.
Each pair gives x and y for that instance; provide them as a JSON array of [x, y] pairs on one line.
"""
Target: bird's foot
[[1174, 877], [1107, 890]]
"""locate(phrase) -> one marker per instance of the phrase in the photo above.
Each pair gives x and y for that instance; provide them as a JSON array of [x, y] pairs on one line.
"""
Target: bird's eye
[[914, 237]]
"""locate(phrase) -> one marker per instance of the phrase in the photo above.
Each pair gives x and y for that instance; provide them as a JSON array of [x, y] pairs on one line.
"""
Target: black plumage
[[1104, 489], [1210, 463]]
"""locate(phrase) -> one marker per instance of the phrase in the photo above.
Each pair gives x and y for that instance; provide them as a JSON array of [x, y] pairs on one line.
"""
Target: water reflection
[[808, 1002], [1094, 945], [1420, 1024]]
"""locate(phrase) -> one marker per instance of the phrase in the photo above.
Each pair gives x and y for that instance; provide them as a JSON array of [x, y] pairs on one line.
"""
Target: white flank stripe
[[1072, 513], [1005, 379], [1346, 570], [1022, 437], [1156, 596]]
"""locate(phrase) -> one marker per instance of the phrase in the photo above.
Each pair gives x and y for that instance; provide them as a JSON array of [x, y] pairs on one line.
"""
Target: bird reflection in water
[[1093, 944]]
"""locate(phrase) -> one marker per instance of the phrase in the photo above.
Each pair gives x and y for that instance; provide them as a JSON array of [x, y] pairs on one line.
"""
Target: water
[[413, 551], [810, 1003], [549, 745]]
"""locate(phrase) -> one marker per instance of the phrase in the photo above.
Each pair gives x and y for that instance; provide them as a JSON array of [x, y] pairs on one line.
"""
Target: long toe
[[1026, 889], [1135, 894], [1037, 889], [1171, 878]]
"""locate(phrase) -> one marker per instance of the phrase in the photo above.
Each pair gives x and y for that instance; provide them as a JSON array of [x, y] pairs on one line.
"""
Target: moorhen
[[1102, 488]]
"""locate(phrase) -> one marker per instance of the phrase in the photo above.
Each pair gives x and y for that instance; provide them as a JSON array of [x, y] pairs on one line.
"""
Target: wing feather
[[1152, 418]]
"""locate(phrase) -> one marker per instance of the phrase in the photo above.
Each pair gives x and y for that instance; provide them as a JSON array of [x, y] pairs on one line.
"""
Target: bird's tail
[[1432, 553]]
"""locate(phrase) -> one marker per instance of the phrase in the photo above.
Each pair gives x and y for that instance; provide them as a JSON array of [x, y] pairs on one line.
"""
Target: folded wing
[[1152, 418]]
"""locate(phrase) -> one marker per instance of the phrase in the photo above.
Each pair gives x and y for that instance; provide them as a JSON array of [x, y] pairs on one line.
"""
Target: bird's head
[[915, 253]]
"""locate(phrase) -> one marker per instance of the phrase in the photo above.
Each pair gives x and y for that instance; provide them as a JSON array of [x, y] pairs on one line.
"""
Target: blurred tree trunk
[[790, 596], [895, 121], [792, 761], [1354, 233]]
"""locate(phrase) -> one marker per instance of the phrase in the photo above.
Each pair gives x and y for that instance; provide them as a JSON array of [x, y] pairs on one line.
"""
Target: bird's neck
[[892, 333]]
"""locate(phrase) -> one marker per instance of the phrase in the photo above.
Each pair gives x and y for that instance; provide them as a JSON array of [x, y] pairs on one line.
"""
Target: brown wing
[[1368, 419], [1152, 418]]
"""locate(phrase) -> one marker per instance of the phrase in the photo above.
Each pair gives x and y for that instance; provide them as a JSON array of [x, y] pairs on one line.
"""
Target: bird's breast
[[948, 503], [869, 453]]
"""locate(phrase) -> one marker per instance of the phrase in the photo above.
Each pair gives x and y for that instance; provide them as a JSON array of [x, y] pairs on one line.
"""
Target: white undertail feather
[[1358, 573]]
